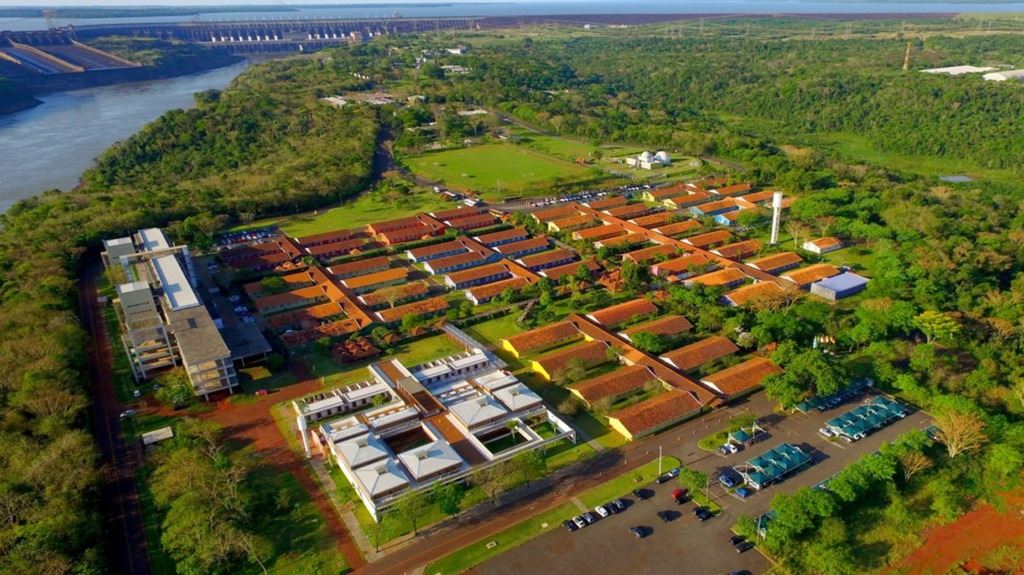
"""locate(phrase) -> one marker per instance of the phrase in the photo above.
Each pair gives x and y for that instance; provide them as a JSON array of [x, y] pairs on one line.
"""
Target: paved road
[[122, 516], [608, 547]]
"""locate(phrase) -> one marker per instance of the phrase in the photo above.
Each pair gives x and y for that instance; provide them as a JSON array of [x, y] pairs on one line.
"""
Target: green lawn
[[492, 331], [627, 482], [365, 209], [496, 170]]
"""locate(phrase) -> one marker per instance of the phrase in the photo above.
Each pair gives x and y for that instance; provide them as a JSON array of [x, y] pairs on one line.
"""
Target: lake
[[49, 146]]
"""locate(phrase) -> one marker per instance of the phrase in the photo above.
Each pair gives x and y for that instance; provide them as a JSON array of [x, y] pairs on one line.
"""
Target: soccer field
[[496, 170]]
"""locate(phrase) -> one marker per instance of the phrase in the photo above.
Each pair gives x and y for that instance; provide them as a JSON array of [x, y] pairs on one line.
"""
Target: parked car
[[663, 478], [727, 480], [590, 518], [637, 532], [826, 432], [610, 506], [136, 393], [702, 513], [127, 413], [744, 492], [744, 547], [640, 494], [579, 522], [728, 449], [570, 525], [673, 473], [680, 496], [736, 540], [600, 509], [619, 504], [665, 516]]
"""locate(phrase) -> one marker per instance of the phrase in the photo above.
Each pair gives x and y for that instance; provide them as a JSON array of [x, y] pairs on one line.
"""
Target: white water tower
[[776, 216]]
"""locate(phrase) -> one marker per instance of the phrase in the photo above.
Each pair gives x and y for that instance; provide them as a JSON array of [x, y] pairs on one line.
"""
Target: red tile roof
[[653, 220], [326, 237], [354, 268], [733, 190], [811, 274], [717, 205], [631, 239], [623, 312], [515, 234], [543, 337], [677, 228], [609, 202], [760, 290], [402, 292], [738, 250], [472, 222], [487, 291], [441, 248], [697, 354], [388, 275], [665, 325], [660, 411], [743, 376], [627, 211], [722, 277], [546, 258], [427, 306], [456, 213], [558, 272], [757, 197], [644, 255], [555, 213], [614, 383], [774, 262], [571, 222], [591, 353], [826, 243], [687, 200], [522, 245], [598, 233], [681, 264], [708, 239], [471, 274]]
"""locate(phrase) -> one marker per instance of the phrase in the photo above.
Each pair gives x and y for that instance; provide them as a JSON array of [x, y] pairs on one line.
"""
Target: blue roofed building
[[838, 287]]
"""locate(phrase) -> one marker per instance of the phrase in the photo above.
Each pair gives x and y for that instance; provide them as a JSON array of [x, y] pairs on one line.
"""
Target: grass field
[[626, 482], [492, 331], [496, 170]]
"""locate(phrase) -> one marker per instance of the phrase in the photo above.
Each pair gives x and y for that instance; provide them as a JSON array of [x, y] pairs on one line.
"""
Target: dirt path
[[122, 516], [968, 539], [252, 424]]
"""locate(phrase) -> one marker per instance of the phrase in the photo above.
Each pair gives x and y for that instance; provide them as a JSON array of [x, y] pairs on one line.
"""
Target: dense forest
[[941, 324]]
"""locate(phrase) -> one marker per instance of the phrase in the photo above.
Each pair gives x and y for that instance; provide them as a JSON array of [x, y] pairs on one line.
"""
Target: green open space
[[627, 482], [492, 331], [411, 353], [718, 438], [497, 170]]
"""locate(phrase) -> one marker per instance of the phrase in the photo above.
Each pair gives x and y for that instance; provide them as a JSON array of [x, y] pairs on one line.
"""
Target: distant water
[[556, 7], [49, 146]]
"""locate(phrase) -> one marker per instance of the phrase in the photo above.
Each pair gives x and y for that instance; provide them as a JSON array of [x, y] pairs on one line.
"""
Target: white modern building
[[649, 161], [958, 70], [406, 429], [1005, 75]]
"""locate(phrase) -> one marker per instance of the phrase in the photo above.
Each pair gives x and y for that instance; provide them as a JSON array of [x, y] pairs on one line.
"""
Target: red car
[[680, 496]]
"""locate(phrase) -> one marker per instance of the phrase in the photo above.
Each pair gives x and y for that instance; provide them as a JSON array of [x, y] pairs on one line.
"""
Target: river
[[49, 146]]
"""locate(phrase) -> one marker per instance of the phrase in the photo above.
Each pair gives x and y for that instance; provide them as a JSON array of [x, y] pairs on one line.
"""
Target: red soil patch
[[968, 539]]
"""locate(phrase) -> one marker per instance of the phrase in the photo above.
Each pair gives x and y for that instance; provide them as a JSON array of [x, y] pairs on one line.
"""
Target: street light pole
[[659, 460]]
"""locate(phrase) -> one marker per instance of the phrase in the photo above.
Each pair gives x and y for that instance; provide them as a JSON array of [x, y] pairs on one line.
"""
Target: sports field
[[496, 170]]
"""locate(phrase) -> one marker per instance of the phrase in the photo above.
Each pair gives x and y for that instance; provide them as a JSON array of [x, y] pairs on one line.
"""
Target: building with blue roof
[[838, 287]]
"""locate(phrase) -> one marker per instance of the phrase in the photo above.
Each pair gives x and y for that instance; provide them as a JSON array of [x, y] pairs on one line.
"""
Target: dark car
[[570, 525], [665, 516], [744, 492], [610, 506], [663, 478], [702, 513], [744, 547], [736, 539], [590, 518], [637, 532], [680, 496], [619, 505], [641, 494]]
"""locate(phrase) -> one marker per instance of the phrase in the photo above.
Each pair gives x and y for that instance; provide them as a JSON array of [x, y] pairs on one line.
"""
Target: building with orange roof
[[475, 255], [326, 238], [550, 366], [540, 339], [549, 259], [684, 201], [426, 307], [284, 301], [456, 213], [733, 190], [557, 273], [627, 241], [657, 413], [570, 223], [484, 293], [659, 194], [606, 203], [627, 211], [752, 292], [757, 198], [555, 213], [597, 233], [359, 267], [375, 281], [523, 247], [437, 251], [708, 239], [618, 314], [503, 237], [804, 277], [678, 228], [477, 276], [690, 357], [683, 266], [293, 281], [776, 263], [472, 222], [324, 252], [726, 277], [823, 245], [669, 325], [645, 255], [741, 378], [396, 295], [738, 250], [613, 385], [654, 220]]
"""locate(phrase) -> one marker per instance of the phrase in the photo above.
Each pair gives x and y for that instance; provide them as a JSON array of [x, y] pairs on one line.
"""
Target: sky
[[58, 3]]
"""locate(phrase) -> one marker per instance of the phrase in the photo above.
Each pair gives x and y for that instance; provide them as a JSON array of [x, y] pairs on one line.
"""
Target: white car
[[600, 509], [578, 520], [728, 448], [827, 432]]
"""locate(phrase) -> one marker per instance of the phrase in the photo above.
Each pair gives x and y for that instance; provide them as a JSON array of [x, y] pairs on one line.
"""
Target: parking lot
[[686, 544]]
